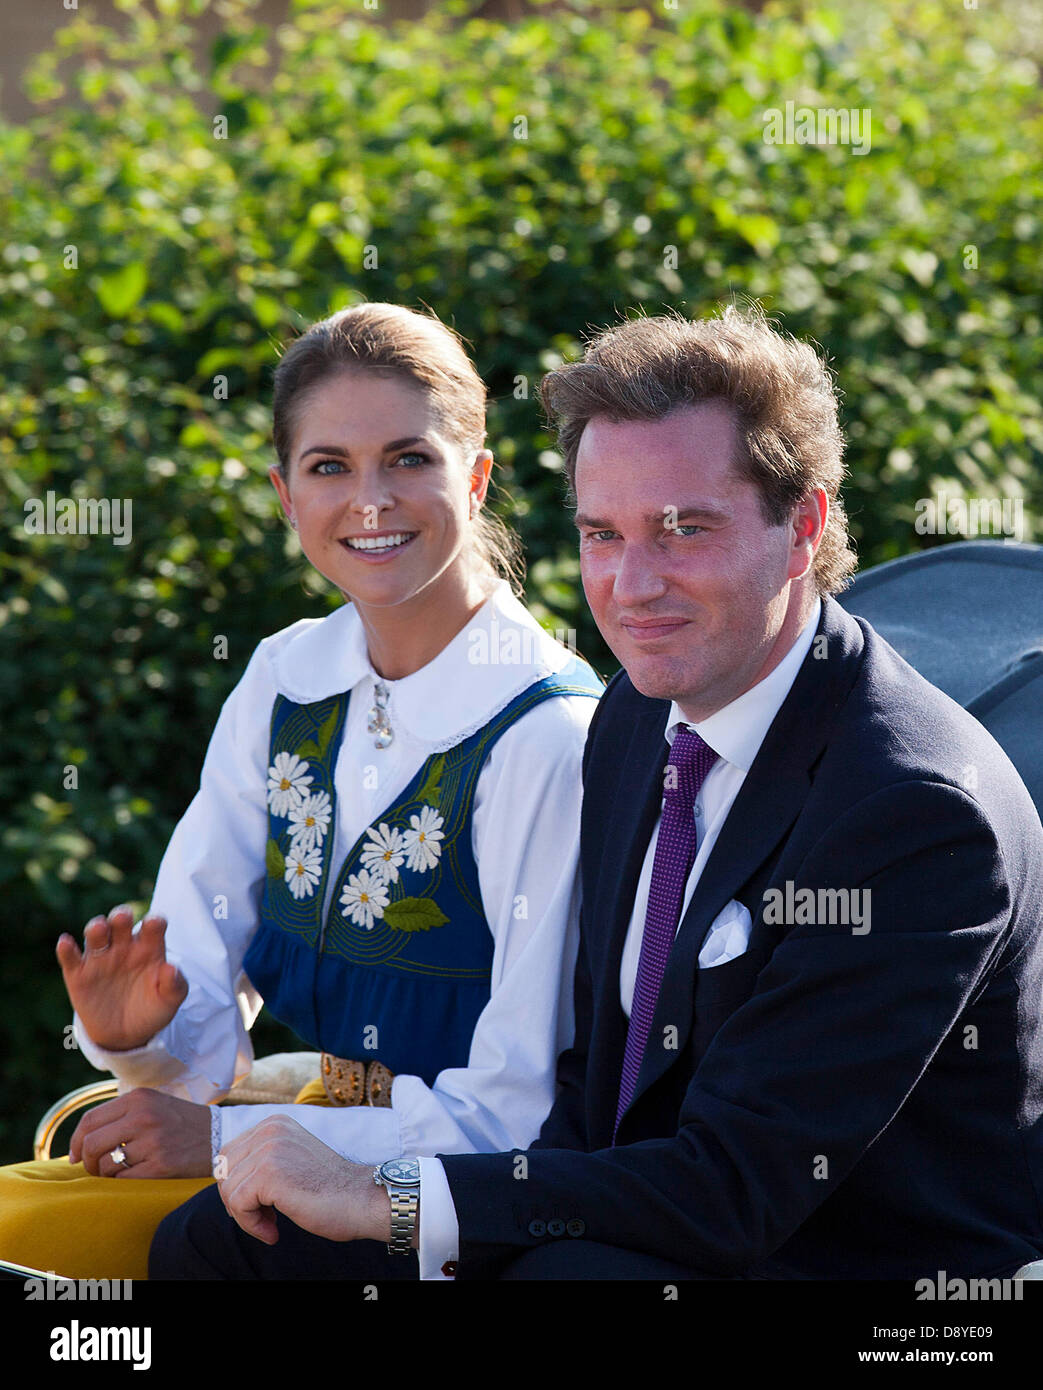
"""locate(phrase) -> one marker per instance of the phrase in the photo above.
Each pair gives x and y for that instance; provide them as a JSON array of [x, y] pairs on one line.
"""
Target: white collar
[[499, 653], [736, 731]]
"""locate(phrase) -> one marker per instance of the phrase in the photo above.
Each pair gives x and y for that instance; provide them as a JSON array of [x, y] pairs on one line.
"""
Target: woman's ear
[[278, 482]]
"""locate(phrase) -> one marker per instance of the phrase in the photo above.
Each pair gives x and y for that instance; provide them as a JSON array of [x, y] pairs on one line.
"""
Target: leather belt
[[347, 1082]]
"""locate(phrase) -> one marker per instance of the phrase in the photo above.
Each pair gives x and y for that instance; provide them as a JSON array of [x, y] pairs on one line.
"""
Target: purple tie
[[686, 768]]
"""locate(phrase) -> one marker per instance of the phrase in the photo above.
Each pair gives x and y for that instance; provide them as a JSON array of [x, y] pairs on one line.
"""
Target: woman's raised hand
[[121, 984]]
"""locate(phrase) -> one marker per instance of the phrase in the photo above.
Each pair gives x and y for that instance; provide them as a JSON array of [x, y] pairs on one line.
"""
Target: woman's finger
[[68, 953], [96, 936], [153, 928], [110, 1112], [133, 1157], [121, 925], [98, 1148], [171, 984]]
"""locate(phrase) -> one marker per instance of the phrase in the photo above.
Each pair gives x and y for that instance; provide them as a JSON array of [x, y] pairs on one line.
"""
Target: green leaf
[[329, 726], [309, 749], [921, 265], [122, 289], [217, 358], [302, 247], [274, 861], [193, 435], [432, 788], [226, 48], [168, 316], [267, 310], [760, 231], [414, 914]]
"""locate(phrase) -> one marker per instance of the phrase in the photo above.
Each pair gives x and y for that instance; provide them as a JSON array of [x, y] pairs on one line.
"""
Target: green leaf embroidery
[[274, 861], [327, 730], [310, 748], [414, 914], [432, 788]]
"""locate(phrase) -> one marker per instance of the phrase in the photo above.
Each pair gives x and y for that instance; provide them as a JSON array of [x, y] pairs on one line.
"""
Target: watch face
[[401, 1170]]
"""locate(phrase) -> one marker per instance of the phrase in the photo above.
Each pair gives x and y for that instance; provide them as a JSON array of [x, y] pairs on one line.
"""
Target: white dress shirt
[[735, 733], [525, 836]]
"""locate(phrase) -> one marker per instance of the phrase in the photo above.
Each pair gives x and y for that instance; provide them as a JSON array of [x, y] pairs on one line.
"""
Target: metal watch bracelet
[[401, 1178]]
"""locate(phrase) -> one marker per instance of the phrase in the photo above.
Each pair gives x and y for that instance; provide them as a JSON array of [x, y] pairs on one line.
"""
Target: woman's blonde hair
[[424, 350]]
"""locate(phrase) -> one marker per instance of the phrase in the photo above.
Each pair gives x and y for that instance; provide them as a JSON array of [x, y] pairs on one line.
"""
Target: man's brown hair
[[780, 390]]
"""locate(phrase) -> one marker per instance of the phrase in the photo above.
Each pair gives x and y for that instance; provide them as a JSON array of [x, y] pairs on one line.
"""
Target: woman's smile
[[379, 547]]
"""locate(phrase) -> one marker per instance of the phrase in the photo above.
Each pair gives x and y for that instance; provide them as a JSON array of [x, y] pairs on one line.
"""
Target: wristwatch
[[401, 1177]]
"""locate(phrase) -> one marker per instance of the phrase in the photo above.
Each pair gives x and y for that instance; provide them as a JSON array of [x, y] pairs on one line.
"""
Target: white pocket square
[[727, 937]]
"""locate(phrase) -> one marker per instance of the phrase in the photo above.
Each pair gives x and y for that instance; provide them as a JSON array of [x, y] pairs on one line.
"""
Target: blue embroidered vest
[[400, 969]]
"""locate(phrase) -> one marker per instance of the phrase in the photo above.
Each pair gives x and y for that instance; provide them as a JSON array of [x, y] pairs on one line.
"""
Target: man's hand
[[121, 984], [279, 1166], [162, 1136]]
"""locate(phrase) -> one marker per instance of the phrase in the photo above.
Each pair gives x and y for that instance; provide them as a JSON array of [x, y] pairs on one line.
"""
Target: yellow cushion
[[55, 1216], [312, 1094]]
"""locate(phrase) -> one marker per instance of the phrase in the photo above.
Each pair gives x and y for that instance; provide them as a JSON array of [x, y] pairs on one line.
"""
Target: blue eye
[[329, 468]]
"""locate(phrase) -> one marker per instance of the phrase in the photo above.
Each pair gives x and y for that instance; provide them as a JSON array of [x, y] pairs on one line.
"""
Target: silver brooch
[[379, 723]]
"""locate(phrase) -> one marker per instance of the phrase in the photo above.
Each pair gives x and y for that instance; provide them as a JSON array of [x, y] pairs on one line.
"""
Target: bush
[[171, 223]]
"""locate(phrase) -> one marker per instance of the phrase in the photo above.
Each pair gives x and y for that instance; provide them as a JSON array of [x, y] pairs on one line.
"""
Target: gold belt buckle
[[347, 1082]]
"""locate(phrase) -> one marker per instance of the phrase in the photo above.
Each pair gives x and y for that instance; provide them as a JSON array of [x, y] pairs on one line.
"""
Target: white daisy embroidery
[[421, 843], [309, 821], [303, 871], [288, 783], [364, 898], [384, 855]]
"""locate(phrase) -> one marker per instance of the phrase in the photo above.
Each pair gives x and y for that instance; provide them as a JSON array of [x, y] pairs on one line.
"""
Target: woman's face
[[381, 497]]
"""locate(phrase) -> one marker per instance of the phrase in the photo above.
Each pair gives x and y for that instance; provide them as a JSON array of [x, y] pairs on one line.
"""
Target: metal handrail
[[68, 1105]]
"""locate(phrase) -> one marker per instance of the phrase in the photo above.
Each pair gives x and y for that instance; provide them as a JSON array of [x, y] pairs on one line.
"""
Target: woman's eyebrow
[[346, 453]]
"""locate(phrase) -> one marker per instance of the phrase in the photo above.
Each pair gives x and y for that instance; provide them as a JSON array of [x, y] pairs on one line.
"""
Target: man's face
[[688, 584]]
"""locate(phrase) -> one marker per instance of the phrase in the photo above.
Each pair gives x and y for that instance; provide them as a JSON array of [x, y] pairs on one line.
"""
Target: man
[[808, 1038]]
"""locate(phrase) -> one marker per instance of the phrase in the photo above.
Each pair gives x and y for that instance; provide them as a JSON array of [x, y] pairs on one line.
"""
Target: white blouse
[[525, 836]]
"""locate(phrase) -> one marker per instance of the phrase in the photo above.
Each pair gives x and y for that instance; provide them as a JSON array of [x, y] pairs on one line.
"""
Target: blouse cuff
[[215, 1137], [150, 1065]]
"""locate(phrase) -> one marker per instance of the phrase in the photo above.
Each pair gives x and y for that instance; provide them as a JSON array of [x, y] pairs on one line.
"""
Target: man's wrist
[[380, 1210]]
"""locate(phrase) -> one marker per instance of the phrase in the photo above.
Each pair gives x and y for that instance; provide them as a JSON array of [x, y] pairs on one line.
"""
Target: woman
[[384, 844]]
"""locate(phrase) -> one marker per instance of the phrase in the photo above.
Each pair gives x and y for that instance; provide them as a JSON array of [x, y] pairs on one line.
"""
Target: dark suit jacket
[[835, 1103]]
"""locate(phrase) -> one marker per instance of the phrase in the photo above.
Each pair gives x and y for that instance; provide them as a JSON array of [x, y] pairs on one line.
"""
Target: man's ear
[[481, 471], [809, 523]]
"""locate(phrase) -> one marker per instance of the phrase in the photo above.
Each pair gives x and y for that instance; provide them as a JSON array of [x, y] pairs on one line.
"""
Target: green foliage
[[170, 221]]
